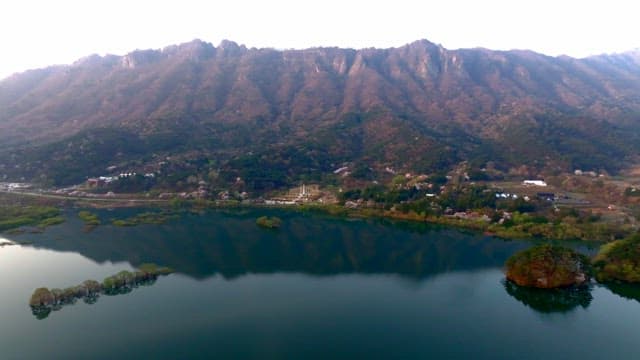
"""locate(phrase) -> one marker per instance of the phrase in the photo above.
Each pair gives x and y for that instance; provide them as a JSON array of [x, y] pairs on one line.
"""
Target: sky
[[37, 33]]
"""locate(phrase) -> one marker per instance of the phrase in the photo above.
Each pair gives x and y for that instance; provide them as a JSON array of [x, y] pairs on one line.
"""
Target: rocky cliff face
[[352, 104]]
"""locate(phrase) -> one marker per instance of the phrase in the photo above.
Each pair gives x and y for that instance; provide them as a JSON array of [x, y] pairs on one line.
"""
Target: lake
[[316, 288]]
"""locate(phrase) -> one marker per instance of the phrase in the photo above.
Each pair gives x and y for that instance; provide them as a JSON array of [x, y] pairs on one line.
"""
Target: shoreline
[[539, 231]]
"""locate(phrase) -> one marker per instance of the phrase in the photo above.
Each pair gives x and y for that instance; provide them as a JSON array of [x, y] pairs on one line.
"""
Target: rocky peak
[[422, 44], [195, 50], [229, 47], [93, 59], [140, 57]]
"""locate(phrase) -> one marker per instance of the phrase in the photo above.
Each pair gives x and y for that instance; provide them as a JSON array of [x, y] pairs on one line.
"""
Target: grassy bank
[[156, 218], [18, 211], [522, 226], [16, 216]]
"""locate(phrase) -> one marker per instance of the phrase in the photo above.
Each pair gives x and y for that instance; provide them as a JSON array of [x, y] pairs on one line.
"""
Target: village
[[614, 199]]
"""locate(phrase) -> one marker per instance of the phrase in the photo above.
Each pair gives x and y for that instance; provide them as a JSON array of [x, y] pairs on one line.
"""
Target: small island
[[43, 300], [547, 267], [272, 222], [90, 219], [153, 218], [619, 261]]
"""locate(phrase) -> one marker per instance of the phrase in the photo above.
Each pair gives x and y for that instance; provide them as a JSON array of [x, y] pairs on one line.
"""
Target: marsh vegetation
[[272, 222], [156, 218]]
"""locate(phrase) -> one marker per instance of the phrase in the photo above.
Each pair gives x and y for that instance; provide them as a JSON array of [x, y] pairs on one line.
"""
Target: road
[[80, 198]]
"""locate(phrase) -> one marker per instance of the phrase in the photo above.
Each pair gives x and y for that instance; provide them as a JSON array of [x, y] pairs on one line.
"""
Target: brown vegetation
[[548, 266], [619, 260]]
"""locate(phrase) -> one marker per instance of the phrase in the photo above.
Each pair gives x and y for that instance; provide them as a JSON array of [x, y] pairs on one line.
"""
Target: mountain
[[276, 117]]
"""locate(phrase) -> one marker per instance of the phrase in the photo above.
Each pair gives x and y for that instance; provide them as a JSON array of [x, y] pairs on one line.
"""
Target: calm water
[[317, 288]]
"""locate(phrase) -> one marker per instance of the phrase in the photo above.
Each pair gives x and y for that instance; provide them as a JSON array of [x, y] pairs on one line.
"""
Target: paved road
[[67, 197]]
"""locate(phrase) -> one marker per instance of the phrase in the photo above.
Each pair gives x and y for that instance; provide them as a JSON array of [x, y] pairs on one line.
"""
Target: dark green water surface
[[317, 288]]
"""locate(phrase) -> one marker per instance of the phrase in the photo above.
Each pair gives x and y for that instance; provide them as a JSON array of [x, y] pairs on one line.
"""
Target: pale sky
[[38, 33]]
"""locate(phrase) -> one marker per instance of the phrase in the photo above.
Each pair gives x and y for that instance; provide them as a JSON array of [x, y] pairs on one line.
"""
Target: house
[[534, 183], [108, 179], [506, 196], [546, 196], [95, 183]]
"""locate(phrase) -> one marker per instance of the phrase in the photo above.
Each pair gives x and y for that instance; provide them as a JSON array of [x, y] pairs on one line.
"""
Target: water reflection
[[550, 300], [624, 290], [230, 244]]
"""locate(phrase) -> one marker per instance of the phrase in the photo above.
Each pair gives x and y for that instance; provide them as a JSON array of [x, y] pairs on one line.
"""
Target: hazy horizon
[[37, 33]]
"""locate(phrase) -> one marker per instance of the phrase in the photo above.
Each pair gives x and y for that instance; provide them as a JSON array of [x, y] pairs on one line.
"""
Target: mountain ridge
[[332, 105]]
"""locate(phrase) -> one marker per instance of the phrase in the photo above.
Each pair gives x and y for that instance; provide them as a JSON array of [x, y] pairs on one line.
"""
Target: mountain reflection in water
[[318, 287], [230, 244]]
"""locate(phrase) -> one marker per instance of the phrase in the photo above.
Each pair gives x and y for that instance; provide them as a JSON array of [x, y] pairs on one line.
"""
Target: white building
[[534, 182]]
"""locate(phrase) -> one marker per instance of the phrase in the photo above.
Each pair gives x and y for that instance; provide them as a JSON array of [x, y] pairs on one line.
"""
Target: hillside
[[276, 117]]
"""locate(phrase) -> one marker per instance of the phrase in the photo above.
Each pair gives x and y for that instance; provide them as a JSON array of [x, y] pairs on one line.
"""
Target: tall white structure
[[303, 191]]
